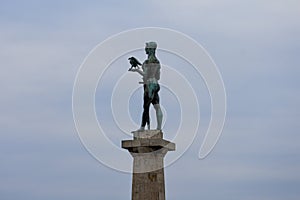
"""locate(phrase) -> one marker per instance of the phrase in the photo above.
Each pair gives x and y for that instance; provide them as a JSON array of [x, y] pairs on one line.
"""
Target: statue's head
[[150, 47]]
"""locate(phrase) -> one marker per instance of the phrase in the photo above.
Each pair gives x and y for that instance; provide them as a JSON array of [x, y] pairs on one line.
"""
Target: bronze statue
[[151, 74]]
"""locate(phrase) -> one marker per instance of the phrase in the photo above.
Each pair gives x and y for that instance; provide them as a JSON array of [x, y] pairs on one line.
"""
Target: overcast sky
[[255, 45]]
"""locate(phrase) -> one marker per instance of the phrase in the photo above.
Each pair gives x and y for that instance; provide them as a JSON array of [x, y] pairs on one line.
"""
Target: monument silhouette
[[148, 148]]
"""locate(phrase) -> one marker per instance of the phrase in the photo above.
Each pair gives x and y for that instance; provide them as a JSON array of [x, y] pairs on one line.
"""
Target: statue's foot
[[141, 129], [148, 126]]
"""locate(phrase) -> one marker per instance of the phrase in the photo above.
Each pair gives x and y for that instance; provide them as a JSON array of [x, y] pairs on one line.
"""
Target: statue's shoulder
[[151, 61]]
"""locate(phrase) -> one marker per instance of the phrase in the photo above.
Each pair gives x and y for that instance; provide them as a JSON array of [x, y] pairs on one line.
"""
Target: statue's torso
[[151, 72]]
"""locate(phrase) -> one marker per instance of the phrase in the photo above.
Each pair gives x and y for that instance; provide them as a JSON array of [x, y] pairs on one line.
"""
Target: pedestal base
[[148, 149]]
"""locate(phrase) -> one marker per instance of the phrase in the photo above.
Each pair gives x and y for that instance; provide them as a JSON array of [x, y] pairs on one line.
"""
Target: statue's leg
[[146, 106], [155, 102], [146, 118], [159, 116]]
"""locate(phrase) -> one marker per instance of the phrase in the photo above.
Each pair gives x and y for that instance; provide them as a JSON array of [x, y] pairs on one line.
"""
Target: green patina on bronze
[[150, 72]]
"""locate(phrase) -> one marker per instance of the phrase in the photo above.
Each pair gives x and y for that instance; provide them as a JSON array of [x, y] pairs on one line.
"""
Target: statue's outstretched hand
[[137, 70]]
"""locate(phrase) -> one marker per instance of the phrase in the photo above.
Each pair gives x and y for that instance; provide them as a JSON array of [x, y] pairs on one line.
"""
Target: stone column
[[148, 149]]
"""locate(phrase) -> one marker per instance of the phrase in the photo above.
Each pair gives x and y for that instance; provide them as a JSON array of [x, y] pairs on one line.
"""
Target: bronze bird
[[134, 62]]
